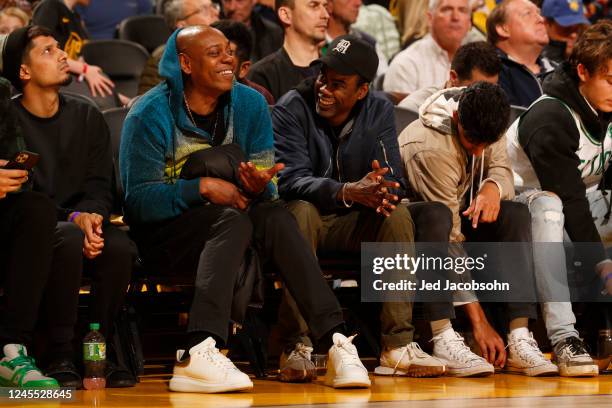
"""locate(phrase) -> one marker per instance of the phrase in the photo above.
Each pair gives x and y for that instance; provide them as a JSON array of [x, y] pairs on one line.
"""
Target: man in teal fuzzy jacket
[[203, 226]]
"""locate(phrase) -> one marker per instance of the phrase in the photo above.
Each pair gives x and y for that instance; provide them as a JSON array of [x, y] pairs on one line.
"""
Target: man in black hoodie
[[76, 171], [559, 150]]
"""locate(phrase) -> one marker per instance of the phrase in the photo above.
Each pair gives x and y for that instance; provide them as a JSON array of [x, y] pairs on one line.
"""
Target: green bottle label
[[94, 351]]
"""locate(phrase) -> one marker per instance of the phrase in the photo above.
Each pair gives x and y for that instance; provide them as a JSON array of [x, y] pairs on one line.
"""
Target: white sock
[[441, 327], [520, 332]]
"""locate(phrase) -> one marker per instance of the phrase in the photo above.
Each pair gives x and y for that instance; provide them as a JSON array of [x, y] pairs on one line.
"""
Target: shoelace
[[26, 363], [302, 351], [531, 353], [412, 349], [458, 349], [348, 352], [216, 357], [576, 347]]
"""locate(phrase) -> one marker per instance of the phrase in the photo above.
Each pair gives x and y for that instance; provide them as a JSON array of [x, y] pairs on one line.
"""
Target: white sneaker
[[573, 359], [459, 360], [344, 368], [524, 356], [208, 371], [410, 361]]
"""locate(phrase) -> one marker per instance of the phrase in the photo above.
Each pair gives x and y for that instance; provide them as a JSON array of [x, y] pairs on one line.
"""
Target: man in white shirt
[[427, 61]]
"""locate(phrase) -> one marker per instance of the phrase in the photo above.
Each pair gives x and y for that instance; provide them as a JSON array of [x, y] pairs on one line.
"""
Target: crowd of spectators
[[264, 135]]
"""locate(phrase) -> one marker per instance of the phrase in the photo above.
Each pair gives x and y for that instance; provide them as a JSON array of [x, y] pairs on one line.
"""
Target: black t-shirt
[[215, 122], [76, 167], [278, 75], [66, 25]]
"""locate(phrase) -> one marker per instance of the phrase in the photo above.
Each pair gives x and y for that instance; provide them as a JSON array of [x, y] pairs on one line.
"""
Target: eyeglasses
[[205, 8]]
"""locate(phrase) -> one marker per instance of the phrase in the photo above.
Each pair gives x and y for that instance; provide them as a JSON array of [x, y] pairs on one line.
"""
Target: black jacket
[[550, 138], [521, 86], [302, 142], [267, 37]]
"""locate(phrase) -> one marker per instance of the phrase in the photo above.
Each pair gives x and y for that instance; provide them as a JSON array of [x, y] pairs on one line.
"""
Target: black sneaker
[[117, 376], [573, 359], [65, 372]]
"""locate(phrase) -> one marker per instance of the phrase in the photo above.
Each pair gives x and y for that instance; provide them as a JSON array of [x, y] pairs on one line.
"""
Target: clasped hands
[[372, 191]]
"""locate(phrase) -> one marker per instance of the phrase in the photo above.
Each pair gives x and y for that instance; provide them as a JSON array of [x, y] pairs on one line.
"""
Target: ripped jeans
[[547, 226], [550, 270]]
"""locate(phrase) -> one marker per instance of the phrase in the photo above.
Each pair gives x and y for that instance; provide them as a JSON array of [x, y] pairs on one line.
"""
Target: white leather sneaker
[[573, 359], [410, 361], [206, 370], [459, 360], [524, 357], [344, 368]]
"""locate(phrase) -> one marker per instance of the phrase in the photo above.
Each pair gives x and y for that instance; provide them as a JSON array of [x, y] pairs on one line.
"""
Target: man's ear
[[284, 15], [363, 90], [502, 31], [243, 70], [454, 78], [24, 73], [583, 73], [185, 62]]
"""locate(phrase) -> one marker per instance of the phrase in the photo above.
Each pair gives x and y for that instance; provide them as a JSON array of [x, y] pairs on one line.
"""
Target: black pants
[[513, 224], [433, 222], [110, 275], [210, 242], [27, 223]]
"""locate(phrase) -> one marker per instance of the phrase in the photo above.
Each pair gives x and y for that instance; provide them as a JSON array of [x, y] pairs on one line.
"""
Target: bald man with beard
[[205, 225]]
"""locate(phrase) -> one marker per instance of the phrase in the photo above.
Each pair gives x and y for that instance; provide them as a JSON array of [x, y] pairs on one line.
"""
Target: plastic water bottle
[[94, 358]]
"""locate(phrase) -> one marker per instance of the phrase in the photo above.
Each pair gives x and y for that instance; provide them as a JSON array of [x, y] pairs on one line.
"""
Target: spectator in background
[[473, 62], [378, 22], [342, 14], [178, 14], [305, 24], [24, 5], [67, 28], [565, 20], [241, 44], [267, 36], [101, 17], [517, 29], [427, 61], [412, 20], [12, 18]]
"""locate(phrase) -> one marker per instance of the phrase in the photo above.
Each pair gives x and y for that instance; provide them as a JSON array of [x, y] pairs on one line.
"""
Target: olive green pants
[[345, 232]]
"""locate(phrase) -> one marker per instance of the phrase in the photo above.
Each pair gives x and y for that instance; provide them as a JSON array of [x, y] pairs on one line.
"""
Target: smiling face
[[337, 94], [45, 64], [207, 59]]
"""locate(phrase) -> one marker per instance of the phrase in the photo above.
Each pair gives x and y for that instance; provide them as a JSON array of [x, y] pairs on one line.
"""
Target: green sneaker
[[17, 369]]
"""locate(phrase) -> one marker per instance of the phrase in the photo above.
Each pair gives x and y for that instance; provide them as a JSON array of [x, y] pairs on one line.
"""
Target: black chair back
[[403, 117], [82, 89], [150, 31], [114, 119], [123, 61], [515, 112]]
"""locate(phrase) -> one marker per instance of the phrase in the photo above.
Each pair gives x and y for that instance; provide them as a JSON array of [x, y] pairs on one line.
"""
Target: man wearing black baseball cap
[[343, 176]]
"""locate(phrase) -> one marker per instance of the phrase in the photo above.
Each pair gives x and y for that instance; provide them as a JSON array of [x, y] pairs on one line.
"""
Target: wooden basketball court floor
[[500, 390]]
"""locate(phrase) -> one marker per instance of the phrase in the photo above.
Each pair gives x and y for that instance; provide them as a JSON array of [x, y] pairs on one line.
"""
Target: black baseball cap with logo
[[350, 55]]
